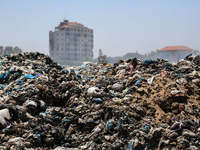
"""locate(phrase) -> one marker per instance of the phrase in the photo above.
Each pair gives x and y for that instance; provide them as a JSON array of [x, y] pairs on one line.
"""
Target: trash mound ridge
[[133, 104]]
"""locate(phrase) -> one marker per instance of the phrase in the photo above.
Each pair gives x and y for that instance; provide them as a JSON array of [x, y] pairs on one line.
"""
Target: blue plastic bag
[[1, 76], [20, 82], [148, 62], [7, 73], [29, 76], [120, 124], [65, 71], [78, 75], [109, 125], [97, 100]]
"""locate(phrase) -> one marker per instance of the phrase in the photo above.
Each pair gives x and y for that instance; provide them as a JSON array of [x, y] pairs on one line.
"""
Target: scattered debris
[[133, 104]]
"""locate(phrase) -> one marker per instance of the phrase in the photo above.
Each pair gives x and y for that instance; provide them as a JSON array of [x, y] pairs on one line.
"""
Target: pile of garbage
[[133, 104]]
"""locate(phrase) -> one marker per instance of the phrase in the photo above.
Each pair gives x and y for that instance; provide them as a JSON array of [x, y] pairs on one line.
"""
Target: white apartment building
[[71, 41]]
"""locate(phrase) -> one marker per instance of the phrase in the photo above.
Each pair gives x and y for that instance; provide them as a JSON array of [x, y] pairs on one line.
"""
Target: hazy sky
[[120, 26]]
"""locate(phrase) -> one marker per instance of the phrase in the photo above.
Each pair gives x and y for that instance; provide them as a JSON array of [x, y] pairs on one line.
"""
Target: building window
[[75, 39], [67, 49], [85, 45], [67, 29], [77, 34], [57, 53], [75, 44], [85, 35], [67, 34]]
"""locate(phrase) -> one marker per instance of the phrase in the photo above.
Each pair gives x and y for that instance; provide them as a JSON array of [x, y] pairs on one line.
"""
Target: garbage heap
[[133, 104]]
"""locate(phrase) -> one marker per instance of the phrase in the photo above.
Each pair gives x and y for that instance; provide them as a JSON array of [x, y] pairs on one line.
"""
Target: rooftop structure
[[174, 53], [175, 48]]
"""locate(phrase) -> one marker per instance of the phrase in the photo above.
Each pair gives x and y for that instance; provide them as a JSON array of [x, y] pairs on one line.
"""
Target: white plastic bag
[[4, 113]]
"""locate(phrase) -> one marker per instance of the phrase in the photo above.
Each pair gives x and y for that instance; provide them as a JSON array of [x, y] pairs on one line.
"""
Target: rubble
[[133, 104]]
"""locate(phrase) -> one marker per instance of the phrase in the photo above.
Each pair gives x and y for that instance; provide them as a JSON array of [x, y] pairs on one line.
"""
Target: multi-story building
[[71, 41]]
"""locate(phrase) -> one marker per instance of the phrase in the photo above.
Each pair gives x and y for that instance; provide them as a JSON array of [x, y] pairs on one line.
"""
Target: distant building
[[174, 53], [1, 50], [101, 57], [71, 41]]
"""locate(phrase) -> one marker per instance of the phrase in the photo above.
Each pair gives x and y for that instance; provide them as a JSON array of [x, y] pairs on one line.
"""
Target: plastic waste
[[97, 100], [4, 114], [120, 124], [109, 125], [98, 106], [29, 76], [148, 62]]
